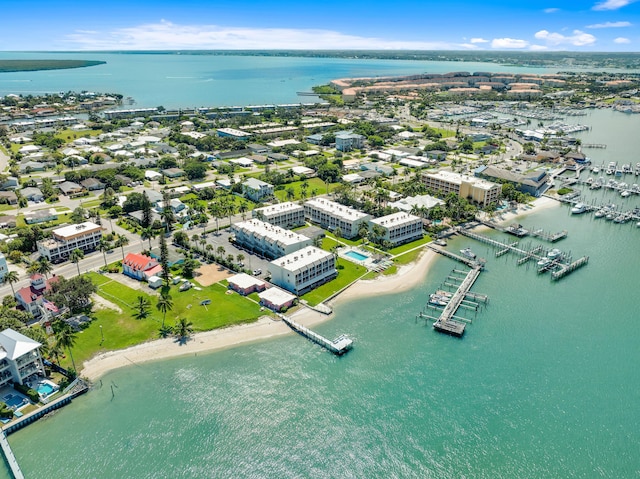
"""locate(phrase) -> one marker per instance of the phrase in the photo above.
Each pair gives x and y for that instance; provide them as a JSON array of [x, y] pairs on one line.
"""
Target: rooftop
[[331, 207], [302, 258], [267, 230], [15, 344], [395, 219], [72, 230], [279, 208]]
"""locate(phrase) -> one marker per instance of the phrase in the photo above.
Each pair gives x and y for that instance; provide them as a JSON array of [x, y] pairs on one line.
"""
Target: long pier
[[9, 458], [472, 263], [338, 346]]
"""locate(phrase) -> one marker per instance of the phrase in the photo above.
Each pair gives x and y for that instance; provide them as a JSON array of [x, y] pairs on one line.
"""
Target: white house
[[19, 358], [257, 190]]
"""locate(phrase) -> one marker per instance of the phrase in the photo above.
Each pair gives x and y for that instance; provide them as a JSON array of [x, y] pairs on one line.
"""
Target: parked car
[[257, 272]]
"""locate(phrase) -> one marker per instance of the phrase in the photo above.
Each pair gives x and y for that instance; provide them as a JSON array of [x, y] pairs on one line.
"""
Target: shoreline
[[407, 277]]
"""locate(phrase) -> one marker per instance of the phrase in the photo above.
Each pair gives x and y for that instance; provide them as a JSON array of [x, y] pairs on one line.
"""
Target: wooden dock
[[9, 458], [446, 323], [550, 237], [566, 269], [338, 346], [472, 263]]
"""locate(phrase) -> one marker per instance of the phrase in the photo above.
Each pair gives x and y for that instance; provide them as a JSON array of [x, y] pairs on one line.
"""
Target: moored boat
[[554, 253], [579, 208], [468, 253]]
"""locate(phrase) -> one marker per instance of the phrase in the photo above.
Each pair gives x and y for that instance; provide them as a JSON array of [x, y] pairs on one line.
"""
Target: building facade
[[399, 228], [4, 269], [479, 191], [84, 236], [347, 141], [19, 358], [268, 240], [331, 215], [257, 190], [304, 270], [139, 266], [31, 298], [286, 215]]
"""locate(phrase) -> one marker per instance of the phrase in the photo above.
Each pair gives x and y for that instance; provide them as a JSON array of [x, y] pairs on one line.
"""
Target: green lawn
[[406, 247], [122, 330], [314, 184], [69, 135], [347, 275], [407, 258]]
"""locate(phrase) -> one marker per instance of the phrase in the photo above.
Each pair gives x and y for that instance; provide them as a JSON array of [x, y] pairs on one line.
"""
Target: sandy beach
[[266, 327]]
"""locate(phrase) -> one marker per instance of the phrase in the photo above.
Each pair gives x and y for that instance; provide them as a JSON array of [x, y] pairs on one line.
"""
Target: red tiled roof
[[153, 271], [138, 261]]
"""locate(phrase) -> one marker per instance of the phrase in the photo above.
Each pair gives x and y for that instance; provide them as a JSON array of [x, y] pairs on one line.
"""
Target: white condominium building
[[480, 191], [399, 228], [84, 236], [287, 215], [332, 215], [304, 270], [268, 240]]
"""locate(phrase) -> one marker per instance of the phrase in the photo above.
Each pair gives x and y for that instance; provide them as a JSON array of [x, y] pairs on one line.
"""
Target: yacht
[[621, 219], [436, 300], [579, 208], [625, 193], [440, 242], [626, 169], [468, 253], [638, 224], [595, 170], [544, 262], [609, 216], [554, 253], [601, 213]]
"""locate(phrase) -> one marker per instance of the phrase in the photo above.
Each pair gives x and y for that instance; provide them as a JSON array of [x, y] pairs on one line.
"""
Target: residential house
[[140, 267], [246, 284], [8, 197], [399, 228], [20, 358], [172, 172], [40, 216], [71, 189], [31, 298], [276, 299], [333, 216], [92, 184], [286, 215], [347, 141], [257, 190]]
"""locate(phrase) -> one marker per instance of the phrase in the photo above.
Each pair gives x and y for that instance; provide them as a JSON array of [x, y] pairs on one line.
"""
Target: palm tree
[[66, 338], [165, 331], [290, 193], [104, 246], [148, 234], [11, 277], [243, 208], [164, 304], [141, 308], [44, 266], [240, 258], [121, 242], [75, 257], [183, 329], [220, 250]]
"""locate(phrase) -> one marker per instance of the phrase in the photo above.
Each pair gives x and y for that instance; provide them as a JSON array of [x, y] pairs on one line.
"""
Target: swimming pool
[[355, 255], [45, 389], [13, 400]]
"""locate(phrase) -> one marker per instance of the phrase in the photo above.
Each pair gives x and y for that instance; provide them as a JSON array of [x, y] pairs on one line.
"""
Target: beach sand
[[266, 327]]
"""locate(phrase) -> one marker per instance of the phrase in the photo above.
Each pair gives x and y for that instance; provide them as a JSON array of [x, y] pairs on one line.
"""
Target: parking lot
[[251, 261]]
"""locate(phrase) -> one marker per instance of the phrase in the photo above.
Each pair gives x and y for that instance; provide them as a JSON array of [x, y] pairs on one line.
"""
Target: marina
[[447, 322]]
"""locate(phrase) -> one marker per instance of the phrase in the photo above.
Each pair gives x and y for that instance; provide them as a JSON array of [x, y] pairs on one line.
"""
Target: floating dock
[[338, 346], [472, 263]]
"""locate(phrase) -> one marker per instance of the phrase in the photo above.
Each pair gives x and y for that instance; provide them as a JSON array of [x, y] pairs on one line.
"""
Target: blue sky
[[597, 25]]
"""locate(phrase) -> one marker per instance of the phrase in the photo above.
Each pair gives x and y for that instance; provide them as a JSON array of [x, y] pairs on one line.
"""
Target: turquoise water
[[176, 81], [356, 255], [544, 383]]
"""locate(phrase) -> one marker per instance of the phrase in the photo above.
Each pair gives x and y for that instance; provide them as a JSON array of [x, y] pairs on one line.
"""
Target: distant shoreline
[[11, 66]]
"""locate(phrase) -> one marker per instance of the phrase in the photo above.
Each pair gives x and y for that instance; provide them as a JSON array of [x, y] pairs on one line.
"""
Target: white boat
[[610, 216], [579, 208], [589, 180], [601, 213], [620, 219], [638, 224], [625, 193], [596, 170], [544, 262], [554, 253], [468, 253], [436, 300]]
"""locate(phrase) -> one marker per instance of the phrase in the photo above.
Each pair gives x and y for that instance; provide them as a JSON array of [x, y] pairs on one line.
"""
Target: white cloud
[[578, 39], [621, 40], [504, 43], [538, 48], [612, 4], [551, 10], [479, 40], [610, 25], [169, 36]]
